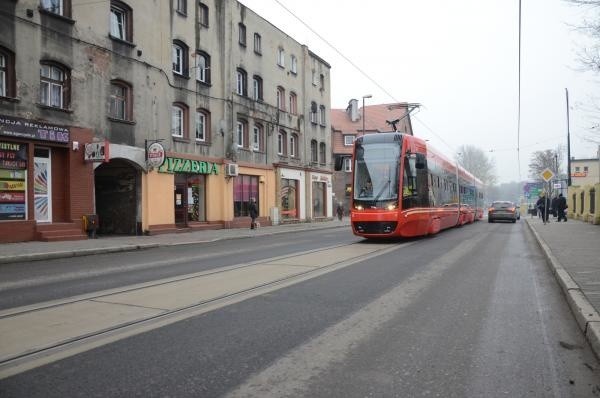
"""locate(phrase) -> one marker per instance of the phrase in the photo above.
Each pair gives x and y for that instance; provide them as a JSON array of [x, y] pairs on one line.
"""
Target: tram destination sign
[[15, 127]]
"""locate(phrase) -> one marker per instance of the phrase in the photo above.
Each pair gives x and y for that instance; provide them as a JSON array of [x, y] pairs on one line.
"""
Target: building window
[[315, 76], [202, 125], [322, 115], [282, 143], [257, 139], [181, 6], [60, 7], [349, 140], [203, 67], [289, 198], [322, 153], [7, 73], [293, 103], [241, 82], [294, 145], [313, 112], [121, 21], [281, 98], [294, 64], [179, 120], [585, 169], [203, 14], [313, 151], [322, 82], [120, 100], [242, 34], [241, 139], [576, 169], [180, 58], [245, 187], [257, 44], [348, 164], [54, 86], [257, 88], [281, 57]]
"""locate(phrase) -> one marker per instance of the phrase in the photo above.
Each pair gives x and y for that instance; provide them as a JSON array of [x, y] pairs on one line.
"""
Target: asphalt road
[[471, 312]]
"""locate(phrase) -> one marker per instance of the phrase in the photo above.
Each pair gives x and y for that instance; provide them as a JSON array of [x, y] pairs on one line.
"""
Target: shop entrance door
[[42, 185], [181, 200]]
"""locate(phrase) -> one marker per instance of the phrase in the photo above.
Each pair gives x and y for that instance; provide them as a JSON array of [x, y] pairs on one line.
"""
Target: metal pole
[[568, 143]]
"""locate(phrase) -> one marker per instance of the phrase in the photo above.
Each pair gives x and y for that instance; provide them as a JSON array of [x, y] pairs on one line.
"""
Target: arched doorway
[[117, 189]]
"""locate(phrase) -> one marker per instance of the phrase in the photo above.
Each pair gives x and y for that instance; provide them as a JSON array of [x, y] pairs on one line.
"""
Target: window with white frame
[[349, 140], [53, 86], [281, 98], [240, 133], [257, 88], [281, 57], [201, 125], [322, 115], [181, 6], [348, 164], [294, 64], [7, 73], [202, 67], [241, 82], [118, 21], [3, 75], [203, 14], [293, 103], [281, 143], [257, 43], [294, 145], [120, 100], [178, 58], [257, 133], [313, 112], [178, 121], [313, 151], [322, 153], [53, 6]]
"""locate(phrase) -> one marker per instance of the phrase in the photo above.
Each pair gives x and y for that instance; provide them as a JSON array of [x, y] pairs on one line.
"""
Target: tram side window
[[415, 182]]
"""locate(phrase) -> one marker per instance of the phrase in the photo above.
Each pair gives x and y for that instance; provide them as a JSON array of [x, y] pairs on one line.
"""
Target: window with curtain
[[54, 86], [244, 188]]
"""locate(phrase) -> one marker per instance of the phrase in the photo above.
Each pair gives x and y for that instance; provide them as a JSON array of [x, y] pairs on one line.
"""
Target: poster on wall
[[13, 186]]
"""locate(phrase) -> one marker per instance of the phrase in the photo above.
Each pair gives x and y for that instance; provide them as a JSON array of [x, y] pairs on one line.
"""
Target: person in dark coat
[[340, 211], [561, 206], [543, 205], [253, 212], [553, 206]]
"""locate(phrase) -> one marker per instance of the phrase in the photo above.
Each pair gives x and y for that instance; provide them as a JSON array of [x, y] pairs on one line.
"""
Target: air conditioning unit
[[231, 170]]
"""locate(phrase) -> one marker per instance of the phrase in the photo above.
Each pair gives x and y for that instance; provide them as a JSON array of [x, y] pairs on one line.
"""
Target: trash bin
[[90, 224]]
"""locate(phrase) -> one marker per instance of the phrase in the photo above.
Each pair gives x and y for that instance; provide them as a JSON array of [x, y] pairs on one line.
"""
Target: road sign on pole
[[547, 175]]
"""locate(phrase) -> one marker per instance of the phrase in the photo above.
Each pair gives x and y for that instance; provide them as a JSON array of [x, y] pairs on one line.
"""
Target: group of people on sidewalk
[[557, 207]]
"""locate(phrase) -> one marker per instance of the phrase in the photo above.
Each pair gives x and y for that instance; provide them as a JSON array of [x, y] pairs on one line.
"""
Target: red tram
[[402, 187]]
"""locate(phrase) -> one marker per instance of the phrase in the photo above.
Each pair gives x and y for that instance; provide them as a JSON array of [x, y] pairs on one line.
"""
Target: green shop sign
[[179, 165]]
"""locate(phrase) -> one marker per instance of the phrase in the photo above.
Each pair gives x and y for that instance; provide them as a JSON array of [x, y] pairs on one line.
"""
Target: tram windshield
[[376, 175]]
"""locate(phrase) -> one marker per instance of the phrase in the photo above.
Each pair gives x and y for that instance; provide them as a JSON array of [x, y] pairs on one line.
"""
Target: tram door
[[181, 207]]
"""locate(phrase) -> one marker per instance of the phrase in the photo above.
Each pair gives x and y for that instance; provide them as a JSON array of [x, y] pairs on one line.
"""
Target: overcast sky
[[459, 59]]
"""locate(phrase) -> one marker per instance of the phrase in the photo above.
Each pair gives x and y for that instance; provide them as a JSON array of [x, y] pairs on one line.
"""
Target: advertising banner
[[30, 129], [13, 156], [12, 211], [12, 185]]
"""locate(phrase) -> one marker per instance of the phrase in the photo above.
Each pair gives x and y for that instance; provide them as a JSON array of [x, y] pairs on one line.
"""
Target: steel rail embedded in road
[[33, 334]]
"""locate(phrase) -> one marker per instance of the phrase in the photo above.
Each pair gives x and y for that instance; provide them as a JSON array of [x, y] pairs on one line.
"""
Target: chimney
[[352, 110]]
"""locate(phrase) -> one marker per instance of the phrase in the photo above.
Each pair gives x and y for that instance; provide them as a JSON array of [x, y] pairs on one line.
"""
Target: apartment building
[[232, 106], [353, 122]]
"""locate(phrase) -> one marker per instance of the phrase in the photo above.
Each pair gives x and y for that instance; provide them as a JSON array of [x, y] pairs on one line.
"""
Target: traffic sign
[[547, 175]]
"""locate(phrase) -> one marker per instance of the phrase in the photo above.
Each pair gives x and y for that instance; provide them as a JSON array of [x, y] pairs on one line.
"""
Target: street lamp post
[[363, 111]]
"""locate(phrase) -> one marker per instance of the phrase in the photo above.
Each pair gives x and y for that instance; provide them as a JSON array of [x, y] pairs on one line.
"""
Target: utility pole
[[568, 143]]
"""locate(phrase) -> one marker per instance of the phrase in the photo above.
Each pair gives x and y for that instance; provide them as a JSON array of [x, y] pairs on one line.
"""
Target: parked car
[[503, 210]]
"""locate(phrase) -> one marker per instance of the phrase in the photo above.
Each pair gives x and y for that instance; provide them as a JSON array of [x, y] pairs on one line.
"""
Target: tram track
[[45, 332]]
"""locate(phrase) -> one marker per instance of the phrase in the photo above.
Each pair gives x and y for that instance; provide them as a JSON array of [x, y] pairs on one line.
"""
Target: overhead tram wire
[[357, 68], [519, 101]]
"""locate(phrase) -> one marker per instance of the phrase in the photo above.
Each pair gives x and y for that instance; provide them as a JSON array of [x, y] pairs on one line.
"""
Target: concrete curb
[[586, 316]]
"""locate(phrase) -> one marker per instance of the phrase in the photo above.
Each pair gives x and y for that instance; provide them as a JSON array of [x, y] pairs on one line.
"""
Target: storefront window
[[196, 194], [289, 198], [244, 188], [13, 186], [318, 199]]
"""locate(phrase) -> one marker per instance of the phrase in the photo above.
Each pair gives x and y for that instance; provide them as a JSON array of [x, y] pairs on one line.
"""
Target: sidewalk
[[572, 250], [28, 251]]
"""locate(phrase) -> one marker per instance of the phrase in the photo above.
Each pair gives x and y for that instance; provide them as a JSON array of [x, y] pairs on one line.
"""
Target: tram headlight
[[358, 207], [391, 206]]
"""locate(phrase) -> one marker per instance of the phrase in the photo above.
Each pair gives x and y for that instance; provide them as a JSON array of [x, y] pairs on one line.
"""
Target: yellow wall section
[[158, 201]]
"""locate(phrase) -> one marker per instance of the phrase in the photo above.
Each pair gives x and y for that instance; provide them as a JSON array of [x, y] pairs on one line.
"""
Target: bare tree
[[590, 56], [477, 163], [548, 159]]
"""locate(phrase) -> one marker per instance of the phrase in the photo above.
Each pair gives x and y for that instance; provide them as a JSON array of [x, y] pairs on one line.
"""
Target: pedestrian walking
[[253, 212], [553, 206], [561, 206], [543, 205], [340, 211]]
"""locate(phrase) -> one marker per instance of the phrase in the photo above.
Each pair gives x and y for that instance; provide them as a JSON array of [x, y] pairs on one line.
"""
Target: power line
[[519, 101]]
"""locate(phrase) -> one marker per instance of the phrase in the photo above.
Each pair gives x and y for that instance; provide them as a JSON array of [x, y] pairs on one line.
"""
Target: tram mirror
[[339, 162]]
